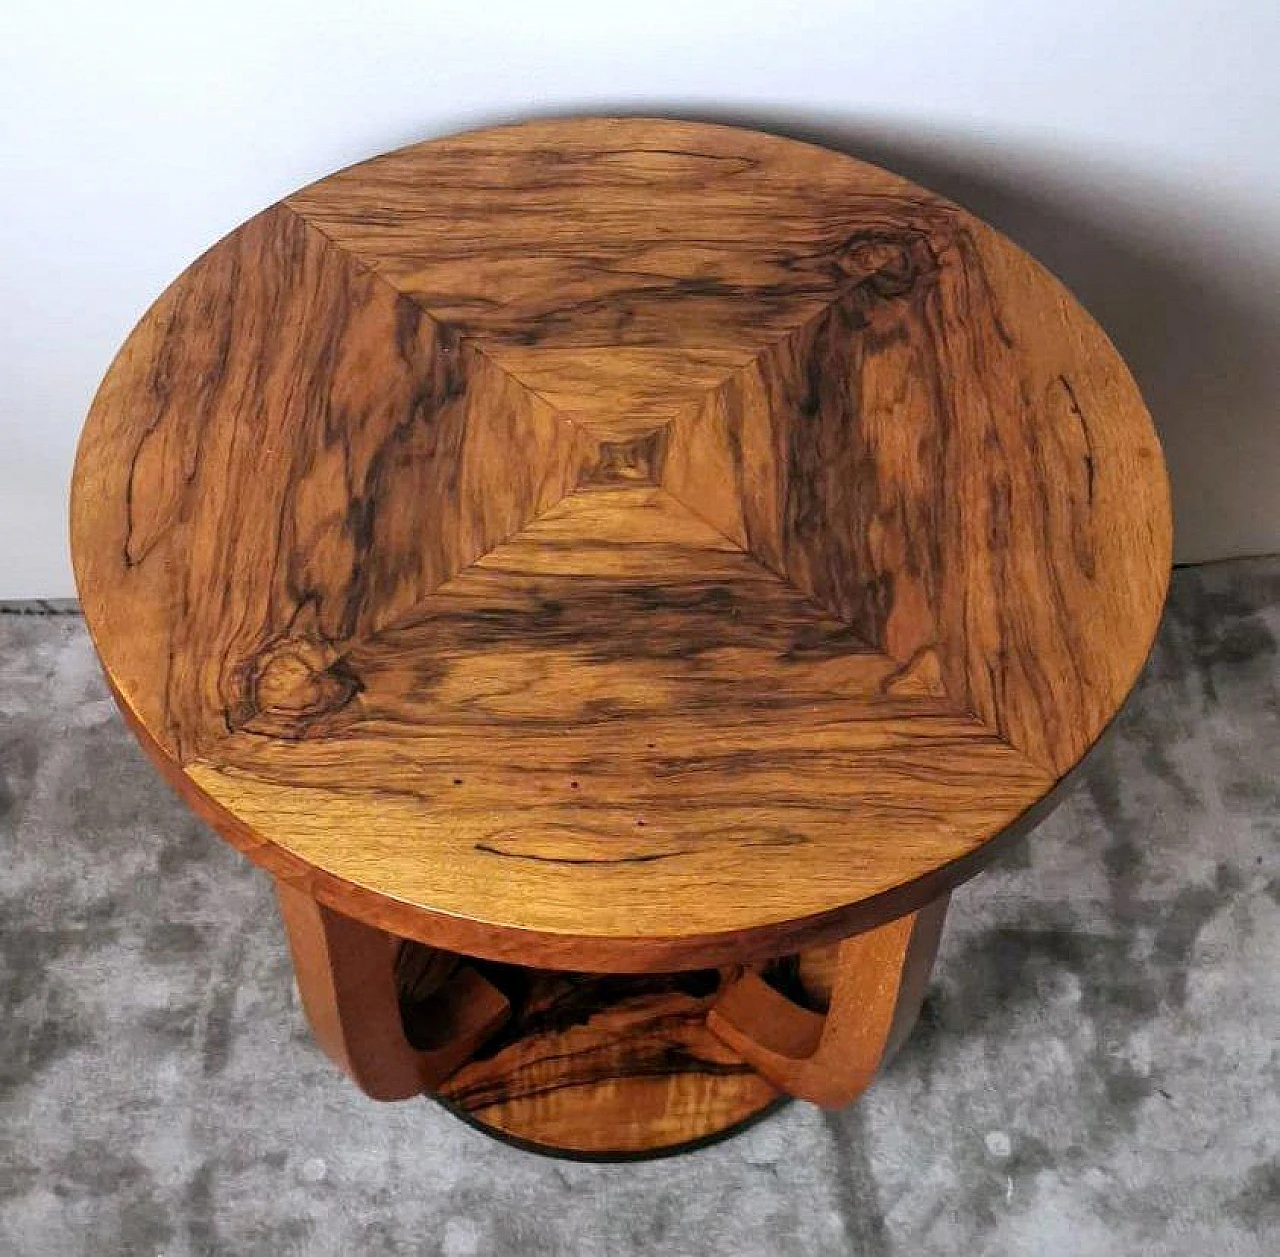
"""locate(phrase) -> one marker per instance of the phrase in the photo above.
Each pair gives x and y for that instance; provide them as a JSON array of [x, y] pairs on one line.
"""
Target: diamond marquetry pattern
[[635, 536]]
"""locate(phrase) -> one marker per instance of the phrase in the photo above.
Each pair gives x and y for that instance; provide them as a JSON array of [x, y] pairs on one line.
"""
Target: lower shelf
[[596, 1065], [588, 1064]]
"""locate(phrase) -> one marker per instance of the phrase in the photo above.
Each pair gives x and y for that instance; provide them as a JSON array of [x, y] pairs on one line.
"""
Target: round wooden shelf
[[619, 545]]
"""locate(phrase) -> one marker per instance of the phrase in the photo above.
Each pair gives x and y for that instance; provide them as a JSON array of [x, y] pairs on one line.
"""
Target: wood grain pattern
[[343, 969], [608, 1066], [941, 483], [354, 1000], [605, 1066], [619, 544], [303, 462], [723, 696], [617, 233], [619, 393], [875, 985]]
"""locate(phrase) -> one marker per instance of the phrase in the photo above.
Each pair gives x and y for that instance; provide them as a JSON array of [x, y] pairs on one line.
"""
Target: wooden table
[[617, 576]]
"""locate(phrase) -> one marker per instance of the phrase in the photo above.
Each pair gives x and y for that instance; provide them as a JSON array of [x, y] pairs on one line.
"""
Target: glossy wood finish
[[605, 1066], [344, 972], [720, 689], [618, 544], [613, 1066], [876, 984], [347, 981]]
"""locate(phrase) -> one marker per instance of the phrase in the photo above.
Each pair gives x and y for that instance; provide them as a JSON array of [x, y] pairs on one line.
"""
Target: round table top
[[619, 543]]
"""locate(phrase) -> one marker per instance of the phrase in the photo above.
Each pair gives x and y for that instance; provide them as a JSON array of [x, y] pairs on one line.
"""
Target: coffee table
[[617, 576]]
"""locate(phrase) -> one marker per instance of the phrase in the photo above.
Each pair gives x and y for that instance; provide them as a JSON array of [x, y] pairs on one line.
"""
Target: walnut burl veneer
[[618, 547]]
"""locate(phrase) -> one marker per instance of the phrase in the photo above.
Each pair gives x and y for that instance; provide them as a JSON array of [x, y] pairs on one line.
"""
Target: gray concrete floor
[[1096, 1070]]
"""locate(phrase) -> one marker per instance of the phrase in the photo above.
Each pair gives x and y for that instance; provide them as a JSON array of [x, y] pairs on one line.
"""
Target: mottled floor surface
[[1096, 1071]]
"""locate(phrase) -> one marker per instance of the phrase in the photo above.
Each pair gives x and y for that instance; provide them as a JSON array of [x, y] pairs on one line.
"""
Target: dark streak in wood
[[577, 1042], [648, 858]]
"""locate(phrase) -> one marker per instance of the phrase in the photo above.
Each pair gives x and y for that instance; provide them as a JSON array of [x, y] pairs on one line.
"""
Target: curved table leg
[[830, 1058], [345, 971]]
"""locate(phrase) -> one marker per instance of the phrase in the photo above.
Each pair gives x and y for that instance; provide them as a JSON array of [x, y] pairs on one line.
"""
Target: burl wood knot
[[889, 265], [288, 686]]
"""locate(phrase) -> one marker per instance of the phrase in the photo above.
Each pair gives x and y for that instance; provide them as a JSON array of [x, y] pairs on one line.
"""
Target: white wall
[[1132, 146]]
